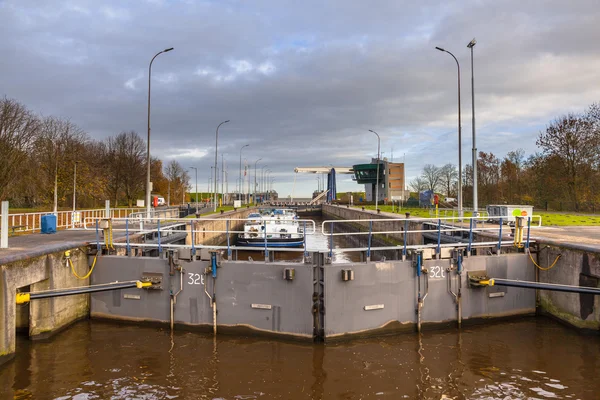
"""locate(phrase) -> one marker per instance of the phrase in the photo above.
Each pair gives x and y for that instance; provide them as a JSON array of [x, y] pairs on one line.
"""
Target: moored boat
[[275, 227]]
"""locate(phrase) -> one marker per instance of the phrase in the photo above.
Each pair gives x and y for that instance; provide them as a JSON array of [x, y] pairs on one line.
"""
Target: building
[[391, 180]]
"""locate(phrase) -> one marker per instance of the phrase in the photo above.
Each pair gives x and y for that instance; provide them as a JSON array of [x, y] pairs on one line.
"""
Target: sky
[[302, 82]]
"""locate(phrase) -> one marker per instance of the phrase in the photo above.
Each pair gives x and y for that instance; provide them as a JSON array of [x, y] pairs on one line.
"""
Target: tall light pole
[[475, 205], [223, 177], [196, 170], [240, 189], [266, 183], [261, 184], [254, 195], [460, 199], [377, 187], [74, 185], [148, 190], [216, 159]]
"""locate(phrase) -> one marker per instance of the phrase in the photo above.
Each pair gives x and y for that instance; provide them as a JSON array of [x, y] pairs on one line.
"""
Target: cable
[[89, 272], [542, 268]]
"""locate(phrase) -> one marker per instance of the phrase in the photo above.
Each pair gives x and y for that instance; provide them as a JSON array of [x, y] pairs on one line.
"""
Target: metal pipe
[[25, 297], [475, 202], [542, 286]]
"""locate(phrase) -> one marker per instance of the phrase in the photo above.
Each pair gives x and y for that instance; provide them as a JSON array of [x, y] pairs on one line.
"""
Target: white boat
[[277, 227]]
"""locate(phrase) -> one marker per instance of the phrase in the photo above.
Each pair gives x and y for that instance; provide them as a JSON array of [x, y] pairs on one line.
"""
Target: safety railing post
[[304, 239], [439, 238], [266, 248], [331, 242], [369, 244], [500, 235], [470, 234], [158, 235], [405, 237], [528, 231], [128, 248], [228, 245], [193, 238], [97, 237]]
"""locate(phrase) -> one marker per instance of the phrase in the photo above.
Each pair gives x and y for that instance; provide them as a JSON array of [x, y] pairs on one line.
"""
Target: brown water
[[532, 358]]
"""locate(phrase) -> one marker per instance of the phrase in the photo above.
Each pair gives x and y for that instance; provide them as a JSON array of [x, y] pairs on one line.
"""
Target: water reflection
[[534, 358]]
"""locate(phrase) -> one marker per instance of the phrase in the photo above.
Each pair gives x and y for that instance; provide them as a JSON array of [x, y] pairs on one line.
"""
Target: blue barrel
[[49, 223]]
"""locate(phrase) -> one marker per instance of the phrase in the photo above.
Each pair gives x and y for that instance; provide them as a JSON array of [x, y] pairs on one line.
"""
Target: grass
[[224, 208], [548, 218]]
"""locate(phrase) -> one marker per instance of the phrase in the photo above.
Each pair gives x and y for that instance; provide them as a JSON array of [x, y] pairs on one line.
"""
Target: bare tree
[[418, 185], [448, 178], [432, 176], [18, 131], [575, 142], [178, 179]]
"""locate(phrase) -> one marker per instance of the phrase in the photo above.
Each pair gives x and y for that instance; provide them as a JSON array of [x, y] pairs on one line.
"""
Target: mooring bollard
[[221, 211]]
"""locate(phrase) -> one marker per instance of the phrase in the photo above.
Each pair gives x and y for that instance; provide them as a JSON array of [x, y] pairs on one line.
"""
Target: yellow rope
[[86, 275], [542, 268]]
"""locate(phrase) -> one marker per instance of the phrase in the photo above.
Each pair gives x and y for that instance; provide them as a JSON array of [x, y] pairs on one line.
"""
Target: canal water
[[525, 359]]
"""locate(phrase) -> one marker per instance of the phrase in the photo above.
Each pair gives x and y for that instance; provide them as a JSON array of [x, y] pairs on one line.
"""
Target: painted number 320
[[195, 279], [437, 272]]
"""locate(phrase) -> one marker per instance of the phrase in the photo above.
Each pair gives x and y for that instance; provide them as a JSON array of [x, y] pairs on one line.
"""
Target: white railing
[[32, 222]]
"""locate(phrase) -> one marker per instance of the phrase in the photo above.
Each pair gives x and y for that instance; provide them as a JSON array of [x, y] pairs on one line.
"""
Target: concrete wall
[[203, 227], [578, 266], [46, 316], [347, 213]]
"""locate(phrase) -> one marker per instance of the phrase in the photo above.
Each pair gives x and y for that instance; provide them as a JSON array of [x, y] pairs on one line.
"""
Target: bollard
[[407, 215]]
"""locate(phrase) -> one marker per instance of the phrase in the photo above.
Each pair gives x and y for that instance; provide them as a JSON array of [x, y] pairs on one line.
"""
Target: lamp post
[[261, 183], [196, 170], [148, 191], [475, 205], [241, 189], [377, 187], [216, 159], [254, 193], [266, 184], [74, 184], [460, 200]]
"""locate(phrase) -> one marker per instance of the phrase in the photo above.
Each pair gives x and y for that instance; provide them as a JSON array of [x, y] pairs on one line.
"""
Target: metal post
[[223, 178], [107, 209], [377, 180], [148, 189], [196, 171], [4, 226], [74, 186], [254, 195], [475, 205], [240, 190], [216, 159], [460, 197], [500, 236], [128, 248]]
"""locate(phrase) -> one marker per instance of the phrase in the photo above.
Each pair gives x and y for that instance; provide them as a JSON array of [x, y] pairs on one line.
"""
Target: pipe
[[26, 297], [459, 294], [541, 286]]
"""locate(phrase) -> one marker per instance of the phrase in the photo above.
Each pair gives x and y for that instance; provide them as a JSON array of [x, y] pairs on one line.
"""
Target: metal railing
[[439, 229], [32, 222]]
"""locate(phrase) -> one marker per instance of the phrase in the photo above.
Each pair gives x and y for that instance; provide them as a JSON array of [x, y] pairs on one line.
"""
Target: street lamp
[[216, 159], [266, 184], [475, 205], [254, 193], [377, 188], [148, 144], [196, 170], [460, 200], [261, 184], [241, 189]]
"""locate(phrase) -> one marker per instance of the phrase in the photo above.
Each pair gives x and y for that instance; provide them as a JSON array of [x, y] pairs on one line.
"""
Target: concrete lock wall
[[383, 295], [203, 228], [45, 316], [578, 266], [344, 213]]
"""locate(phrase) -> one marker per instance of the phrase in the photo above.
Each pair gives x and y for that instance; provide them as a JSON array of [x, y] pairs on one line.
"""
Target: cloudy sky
[[303, 81]]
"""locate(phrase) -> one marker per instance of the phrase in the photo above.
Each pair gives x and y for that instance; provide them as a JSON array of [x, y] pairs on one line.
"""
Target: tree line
[[41, 153], [564, 174]]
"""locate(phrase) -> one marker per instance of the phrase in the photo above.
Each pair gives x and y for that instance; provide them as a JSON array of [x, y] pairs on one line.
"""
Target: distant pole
[[377, 180], [216, 160], [223, 177], [460, 199], [254, 195], [148, 190], [240, 190], [56, 181], [475, 205]]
